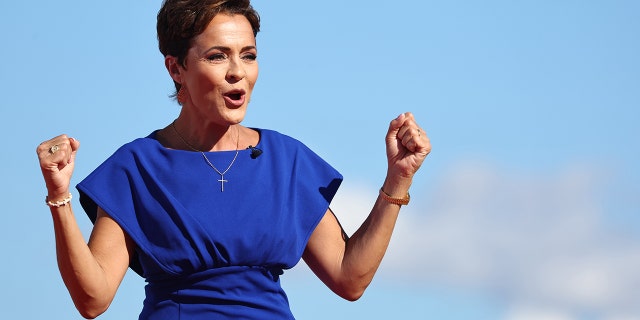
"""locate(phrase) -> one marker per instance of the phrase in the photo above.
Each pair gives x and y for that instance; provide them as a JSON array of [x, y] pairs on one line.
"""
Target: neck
[[215, 139]]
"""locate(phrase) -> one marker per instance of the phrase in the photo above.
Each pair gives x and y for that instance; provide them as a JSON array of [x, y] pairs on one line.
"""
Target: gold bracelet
[[398, 201], [57, 204]]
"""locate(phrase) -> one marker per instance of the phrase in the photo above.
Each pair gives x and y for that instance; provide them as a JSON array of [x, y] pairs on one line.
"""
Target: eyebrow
[[227, 49]]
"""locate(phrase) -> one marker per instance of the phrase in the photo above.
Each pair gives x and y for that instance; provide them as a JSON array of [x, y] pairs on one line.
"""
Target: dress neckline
[[154, 136]]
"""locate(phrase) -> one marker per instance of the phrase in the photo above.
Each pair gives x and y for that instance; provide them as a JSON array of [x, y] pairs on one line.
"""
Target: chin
[[236, 116]]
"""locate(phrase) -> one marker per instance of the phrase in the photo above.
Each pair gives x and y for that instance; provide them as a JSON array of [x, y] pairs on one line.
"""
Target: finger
[[400, 125], [410, 140], [66, 152], [75, 145], [413, 137], [394, 127], [421, 141], [55, 152], [43, 147], [407, 130]]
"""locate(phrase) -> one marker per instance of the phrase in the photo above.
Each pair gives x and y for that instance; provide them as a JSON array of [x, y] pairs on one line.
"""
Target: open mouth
[[235, 95], [235, 98]]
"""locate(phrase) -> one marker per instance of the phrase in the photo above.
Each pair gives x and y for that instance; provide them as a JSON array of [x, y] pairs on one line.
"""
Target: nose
[[236, 71]]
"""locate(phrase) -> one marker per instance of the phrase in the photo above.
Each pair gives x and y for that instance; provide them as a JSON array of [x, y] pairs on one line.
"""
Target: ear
[[174, 68]]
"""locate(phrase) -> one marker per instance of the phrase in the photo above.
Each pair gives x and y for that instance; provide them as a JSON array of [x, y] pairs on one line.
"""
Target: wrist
[[58, 200], [57, 193], [396, 186], [401, 201]]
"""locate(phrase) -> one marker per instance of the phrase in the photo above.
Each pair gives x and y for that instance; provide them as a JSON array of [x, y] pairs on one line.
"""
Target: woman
[[208, 219]]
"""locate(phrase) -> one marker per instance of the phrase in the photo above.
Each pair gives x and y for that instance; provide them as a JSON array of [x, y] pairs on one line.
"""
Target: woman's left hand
[[407, 147]]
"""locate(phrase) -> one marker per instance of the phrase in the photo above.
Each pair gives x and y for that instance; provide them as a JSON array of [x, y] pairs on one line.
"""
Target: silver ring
[[54, 148]]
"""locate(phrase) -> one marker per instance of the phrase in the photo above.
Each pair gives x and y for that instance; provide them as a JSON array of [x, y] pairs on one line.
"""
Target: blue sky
[[527, 208]]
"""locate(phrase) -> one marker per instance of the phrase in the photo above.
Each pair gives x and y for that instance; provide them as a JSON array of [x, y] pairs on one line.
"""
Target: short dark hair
[[179, 21]]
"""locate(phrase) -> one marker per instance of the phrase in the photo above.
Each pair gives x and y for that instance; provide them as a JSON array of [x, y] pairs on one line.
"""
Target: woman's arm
[[347, 265], [92, 272]]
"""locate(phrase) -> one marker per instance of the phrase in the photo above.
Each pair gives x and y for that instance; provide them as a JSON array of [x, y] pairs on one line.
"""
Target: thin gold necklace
[[221, 180]]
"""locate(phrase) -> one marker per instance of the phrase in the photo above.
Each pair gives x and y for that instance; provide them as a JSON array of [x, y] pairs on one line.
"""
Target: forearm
[[87, 282], [366, 248], [80, 271], [347, 266]]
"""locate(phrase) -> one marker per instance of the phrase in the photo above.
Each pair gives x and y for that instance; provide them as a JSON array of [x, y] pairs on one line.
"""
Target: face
[[220, 71]]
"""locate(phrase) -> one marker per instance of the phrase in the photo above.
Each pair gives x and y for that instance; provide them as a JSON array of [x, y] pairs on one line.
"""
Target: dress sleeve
[[313, 184], [107, 187], [126, 190]]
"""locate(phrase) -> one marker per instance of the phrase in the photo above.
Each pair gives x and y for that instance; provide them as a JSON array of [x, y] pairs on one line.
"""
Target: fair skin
[[219, 74]]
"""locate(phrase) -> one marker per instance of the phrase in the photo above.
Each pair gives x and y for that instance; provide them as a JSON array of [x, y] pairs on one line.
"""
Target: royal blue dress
[[207, 253]]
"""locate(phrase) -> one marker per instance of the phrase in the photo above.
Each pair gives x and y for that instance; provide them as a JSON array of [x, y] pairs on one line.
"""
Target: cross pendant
[[222, 181]]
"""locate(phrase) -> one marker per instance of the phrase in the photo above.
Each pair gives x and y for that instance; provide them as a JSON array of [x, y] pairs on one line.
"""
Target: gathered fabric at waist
[[235, 292]]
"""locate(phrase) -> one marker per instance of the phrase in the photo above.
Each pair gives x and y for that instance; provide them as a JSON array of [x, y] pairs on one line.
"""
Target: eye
[[249, 56], [216, 57]]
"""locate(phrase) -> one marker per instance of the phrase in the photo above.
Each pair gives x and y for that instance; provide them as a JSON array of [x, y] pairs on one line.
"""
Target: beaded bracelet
[[57, 204], [398, 201]]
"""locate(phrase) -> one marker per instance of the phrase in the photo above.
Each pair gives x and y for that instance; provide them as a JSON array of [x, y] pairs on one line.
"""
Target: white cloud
[[536, 313], [536, 240]]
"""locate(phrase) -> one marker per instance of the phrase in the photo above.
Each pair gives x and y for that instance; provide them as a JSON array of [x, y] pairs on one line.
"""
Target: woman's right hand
[[57, 157]]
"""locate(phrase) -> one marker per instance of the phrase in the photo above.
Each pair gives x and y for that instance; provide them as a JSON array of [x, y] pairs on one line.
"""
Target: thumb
[[394, 127], [75, 145]]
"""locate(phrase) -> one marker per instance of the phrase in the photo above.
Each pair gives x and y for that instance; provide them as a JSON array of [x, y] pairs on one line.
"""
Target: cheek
[[252, 78], [209, 81]]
